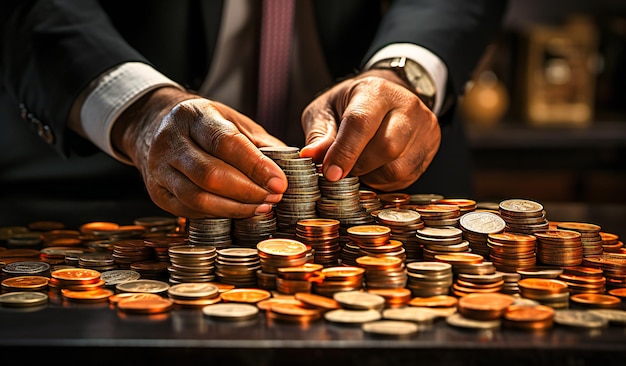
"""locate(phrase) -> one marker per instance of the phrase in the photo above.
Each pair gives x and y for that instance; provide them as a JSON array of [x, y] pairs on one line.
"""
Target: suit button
[[45, 132]]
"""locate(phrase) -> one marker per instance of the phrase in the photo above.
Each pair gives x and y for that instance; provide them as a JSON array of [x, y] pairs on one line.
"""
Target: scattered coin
[[352, 317], [579, 319], [23, 299], [459, 321], [390, 328], [231, 311]]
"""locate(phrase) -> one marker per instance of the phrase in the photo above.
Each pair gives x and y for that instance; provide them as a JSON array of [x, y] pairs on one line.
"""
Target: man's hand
[[374, 127], [199, 158]]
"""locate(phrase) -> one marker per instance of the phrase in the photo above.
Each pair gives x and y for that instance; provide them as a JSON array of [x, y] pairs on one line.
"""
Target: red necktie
[[276, 39]]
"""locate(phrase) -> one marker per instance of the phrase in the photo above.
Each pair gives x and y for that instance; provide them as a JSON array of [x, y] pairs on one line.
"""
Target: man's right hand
[[199, 158]]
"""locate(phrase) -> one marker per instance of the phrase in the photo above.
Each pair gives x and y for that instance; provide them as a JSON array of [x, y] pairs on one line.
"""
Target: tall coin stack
[[191, 263], [426, 279], [210, 232], [523, 216], [476, 227], [559, 247], [511, 252], [299, 200], [323, 236], [404, 225], [237, 266], [249, 231], [589, 235], [341, 201]]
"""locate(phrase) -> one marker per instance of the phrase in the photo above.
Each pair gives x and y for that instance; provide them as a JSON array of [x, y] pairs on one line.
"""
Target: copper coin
[[87, 296], [246, 295], [145, 305]]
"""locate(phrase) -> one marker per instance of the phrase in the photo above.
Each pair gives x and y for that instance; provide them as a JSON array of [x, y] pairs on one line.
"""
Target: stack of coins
[[613, 267], [440, 215], [337, 279], [191, 263], [404, 225], [511, 252], [441, 240], [292, 280], [523, 216], [193, 294], [278, 253], [237, 266], [299, 200], [383, 272], [369, 201], [97, 261], [75, 279], [465, 205], [559, 247], [394, 199], [589, 235], [126, 252], [476, 227], [323, 236], [427, 279], [210, 232], [549, 292], [611, 242], [249, 231], [466, 284], [57, 255], [160, 246], [371, 240], [510, 286], [341, 201], [584, 280], [490, 306]]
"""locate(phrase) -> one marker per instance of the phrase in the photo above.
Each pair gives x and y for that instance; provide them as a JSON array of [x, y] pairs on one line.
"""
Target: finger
[[181, 197], [359, 124], [221, 138], [320, 129], [218, 177]]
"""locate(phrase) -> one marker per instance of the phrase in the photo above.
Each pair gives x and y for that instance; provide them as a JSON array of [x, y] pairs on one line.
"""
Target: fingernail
[[273, 198], [264, 208], [333, 173], [276, 184]]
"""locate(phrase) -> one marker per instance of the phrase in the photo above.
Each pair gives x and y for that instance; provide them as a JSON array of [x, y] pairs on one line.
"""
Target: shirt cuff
[[429, 61], [115, 91]]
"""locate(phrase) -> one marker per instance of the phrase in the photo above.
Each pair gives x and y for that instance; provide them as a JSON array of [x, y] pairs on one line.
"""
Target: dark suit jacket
[[51, 50]]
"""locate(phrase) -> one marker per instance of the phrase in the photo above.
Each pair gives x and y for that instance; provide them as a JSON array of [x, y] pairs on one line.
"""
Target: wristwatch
[[414, 74]]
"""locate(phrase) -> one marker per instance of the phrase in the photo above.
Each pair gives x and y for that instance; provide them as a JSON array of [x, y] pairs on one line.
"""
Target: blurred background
[[545, 111]]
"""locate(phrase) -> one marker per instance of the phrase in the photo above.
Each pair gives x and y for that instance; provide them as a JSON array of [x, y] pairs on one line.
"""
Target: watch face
[[419, 78]]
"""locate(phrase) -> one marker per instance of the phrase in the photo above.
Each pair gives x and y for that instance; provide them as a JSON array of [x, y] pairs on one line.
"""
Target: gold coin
[[246, 295], [76, 274], [282, 247]]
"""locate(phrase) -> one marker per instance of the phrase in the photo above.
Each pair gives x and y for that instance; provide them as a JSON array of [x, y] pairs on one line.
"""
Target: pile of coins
[[511, 252], [427, 279], [440, 215], [523, 216], [292, 280], [383, 272], [213, 232], [549, 292], [249, 231], [559, 247], [589, 236], [338, 279]]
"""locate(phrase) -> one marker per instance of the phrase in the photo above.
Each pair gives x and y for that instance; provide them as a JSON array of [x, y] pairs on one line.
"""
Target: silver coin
[[521, 205], [399, 215], [26, 268], [579, 318], [346, 316], [193, 290], [23, 298], [390, 327], [419, 315], [482, 222], [231, 311], [114, 277], [614, 316], [147, 286], [457, 320]]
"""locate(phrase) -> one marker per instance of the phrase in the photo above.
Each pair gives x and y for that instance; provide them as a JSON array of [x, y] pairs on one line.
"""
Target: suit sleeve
[[457, 31], [50, 51]]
